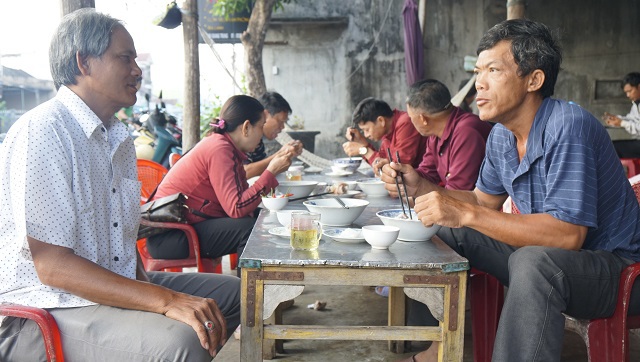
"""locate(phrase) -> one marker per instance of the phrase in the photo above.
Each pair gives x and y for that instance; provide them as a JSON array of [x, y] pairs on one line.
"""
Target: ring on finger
[[208, 325]]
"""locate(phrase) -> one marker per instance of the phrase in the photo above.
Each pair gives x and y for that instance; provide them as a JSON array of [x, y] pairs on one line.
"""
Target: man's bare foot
[[430, 355]]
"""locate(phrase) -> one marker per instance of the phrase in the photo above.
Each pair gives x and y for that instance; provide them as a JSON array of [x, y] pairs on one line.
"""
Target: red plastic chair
[[632, 165], [487, 297], [150, 174], [607, 339], [173, 158], [48, 327]]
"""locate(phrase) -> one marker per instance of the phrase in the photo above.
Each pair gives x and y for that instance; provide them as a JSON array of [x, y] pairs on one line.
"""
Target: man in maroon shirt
[[455, 150], [456, 139], [392, 127]]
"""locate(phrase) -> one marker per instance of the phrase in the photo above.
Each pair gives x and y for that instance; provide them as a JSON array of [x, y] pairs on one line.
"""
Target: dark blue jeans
[[543, 282]]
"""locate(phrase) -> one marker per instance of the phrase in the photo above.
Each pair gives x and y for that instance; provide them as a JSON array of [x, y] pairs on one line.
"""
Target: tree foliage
[[225, 8]]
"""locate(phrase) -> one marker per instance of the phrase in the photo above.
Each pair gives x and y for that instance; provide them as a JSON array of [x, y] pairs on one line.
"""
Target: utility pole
[[191, 116], [515, 9], [69, 6]]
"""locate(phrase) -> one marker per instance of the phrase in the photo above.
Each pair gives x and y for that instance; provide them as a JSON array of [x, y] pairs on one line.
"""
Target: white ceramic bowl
[[380, 236], [373, 187], [284, 216], [351, 163], [297, 188], [339, 169], [410, 230], [331, 213], [275, 203]]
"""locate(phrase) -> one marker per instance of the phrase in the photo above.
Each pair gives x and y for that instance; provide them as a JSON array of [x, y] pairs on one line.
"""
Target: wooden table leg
[[251, 319], [453, 339], [396, 315]]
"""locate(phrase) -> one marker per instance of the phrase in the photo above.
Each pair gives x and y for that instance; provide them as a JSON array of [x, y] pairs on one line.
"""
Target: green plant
[[209, 111], [225, 8], [297, 123]]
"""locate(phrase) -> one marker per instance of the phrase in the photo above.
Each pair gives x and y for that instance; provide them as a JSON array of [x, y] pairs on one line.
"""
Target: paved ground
[[361, 306]]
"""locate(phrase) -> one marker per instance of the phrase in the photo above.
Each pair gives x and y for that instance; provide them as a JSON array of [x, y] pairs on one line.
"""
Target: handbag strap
[[163, 176], [154, 190], [201, 214]]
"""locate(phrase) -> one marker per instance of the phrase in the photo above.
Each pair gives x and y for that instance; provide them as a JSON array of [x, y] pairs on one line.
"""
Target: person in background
[[172, 127], [213, 178], [580, 221], [70, 214], [277, 111], [630, 122], [469, 98], [380, 123]]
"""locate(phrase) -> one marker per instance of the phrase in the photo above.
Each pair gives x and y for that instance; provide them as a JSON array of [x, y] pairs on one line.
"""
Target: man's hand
[[195, 311], [352, 148], [612, 120], [436, 208], [391, 170], [293, 148], [280, 162], [378, 163], [353, 134]]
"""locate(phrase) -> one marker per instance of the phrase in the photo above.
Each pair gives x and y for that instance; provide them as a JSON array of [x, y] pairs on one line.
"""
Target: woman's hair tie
[[220, 124]]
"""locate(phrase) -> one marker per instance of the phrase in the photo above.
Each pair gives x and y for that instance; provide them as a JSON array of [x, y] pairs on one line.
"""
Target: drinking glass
[[306, 230]]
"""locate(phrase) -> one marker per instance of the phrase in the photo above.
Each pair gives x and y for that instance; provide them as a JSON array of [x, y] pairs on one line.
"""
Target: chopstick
[[310, 196], [404, 186], [398, 185]]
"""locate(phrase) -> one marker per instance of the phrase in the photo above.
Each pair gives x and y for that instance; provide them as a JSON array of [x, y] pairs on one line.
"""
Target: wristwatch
[[363, 151]]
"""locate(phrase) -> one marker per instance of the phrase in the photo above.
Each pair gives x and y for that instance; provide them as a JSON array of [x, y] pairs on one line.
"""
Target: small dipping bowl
[[380, 236]]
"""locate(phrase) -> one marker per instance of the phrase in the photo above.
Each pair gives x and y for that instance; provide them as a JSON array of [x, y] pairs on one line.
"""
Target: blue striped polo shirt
[[571, 172]]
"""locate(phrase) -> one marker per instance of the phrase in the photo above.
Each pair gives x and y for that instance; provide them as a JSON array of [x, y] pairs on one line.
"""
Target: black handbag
[[172, 208]]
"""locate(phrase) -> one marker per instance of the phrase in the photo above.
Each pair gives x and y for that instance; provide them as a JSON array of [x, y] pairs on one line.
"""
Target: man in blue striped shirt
[[579, 225]]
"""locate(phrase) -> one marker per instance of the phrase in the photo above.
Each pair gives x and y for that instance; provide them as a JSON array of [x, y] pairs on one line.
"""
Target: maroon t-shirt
[[454, 160]]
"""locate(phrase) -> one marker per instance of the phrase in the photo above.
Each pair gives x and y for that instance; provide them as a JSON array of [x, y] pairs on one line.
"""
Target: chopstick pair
[[310, 196], [403, 184]]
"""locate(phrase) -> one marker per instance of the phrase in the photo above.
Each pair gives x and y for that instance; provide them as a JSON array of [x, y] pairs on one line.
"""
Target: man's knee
[[529, 261], [183, 346]]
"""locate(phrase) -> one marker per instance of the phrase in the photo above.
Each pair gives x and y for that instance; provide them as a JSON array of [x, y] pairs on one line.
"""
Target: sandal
[[382, 291]]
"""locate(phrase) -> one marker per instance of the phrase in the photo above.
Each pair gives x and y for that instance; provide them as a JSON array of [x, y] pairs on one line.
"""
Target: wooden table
[[272, 273]]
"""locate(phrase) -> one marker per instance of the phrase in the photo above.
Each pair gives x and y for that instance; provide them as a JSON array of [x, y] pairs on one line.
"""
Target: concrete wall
[[327, 62], [325, 68]]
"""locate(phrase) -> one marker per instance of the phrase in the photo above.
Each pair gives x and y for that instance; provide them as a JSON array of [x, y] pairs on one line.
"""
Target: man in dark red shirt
[[456, 143], [456, 139], [392, 127]]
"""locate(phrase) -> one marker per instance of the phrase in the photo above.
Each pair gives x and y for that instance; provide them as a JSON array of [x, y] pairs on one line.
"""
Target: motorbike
[[154, 141]]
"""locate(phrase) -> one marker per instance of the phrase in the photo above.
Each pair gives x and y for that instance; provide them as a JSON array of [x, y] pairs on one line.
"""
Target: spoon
[[341, 202]]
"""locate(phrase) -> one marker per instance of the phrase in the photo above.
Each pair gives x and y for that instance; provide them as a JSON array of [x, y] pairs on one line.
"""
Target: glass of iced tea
[[293, 175], [306, 230]]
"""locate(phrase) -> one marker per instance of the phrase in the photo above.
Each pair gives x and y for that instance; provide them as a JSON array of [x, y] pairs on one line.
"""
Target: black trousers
[[627, 148], [218, 237]]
